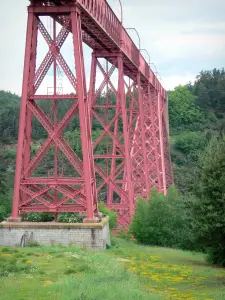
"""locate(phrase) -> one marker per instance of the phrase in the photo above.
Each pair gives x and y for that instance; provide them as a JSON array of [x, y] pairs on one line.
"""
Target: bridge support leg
[[28, 124], [126, 137], [160, 116], [143, 135], [168, 163], [84, 116], [109, 112], [39, 193], [23, 120], [152, 107]]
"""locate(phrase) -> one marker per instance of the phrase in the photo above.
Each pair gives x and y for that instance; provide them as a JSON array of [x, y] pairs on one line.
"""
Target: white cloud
[[185, 35], [12, 36], [193, 46], [170, 82]]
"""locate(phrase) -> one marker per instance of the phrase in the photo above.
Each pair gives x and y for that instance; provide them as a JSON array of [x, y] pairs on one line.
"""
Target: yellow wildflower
[[48, 281]]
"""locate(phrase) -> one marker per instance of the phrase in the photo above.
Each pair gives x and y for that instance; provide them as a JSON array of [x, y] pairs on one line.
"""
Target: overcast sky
[[182, 37]]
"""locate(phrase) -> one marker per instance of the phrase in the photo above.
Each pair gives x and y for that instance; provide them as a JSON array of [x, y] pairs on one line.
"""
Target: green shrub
[[216, 255], [183, 113], [164, 220], [2, 213], [112, 214], [125, 234], [190, 144], [9, 154], [70, 218], [33, 244], [5, 203], [39, 217]]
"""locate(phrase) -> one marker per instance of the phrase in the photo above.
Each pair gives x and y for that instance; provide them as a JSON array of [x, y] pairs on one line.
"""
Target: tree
[[183, 112], [9, 116], [5, 203], [209, 88], [203, 99], [190, 144], [210, 209], [185, 152], [163, 220]]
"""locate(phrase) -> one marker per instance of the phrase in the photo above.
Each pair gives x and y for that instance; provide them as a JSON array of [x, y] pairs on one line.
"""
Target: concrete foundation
[[90, 235]]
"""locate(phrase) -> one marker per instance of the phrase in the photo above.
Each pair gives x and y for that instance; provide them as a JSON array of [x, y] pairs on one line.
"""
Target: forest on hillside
[[196, 113]]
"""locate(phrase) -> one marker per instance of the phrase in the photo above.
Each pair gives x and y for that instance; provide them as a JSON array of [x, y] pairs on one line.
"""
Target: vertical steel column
[[141, 111], [151, 99], [168, 163], [166, 113], [91, 93], [84, 114], [113, 162], [91, 96], [161, 141], [22, 120], [125, 133], [28, 124], [55, 113]]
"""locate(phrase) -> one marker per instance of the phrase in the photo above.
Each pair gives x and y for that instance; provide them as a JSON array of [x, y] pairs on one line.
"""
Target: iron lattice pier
[[128, 104]]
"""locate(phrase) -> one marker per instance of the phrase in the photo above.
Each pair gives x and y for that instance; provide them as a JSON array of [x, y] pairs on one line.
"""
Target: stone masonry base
[[90, 235]]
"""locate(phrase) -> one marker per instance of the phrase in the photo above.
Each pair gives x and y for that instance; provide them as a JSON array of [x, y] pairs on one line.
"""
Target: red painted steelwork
[[130, 111]]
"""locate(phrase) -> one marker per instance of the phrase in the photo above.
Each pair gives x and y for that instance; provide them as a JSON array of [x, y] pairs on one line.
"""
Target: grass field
[[173, 274], [126, 271]]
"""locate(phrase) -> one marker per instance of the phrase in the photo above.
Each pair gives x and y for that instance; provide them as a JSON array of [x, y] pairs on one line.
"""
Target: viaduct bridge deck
[[104, 33]]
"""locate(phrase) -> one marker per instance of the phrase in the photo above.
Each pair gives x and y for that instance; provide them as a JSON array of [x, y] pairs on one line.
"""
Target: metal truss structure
[[130, 153]]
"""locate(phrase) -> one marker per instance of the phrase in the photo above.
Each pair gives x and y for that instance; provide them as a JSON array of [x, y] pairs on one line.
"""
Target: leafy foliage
[[125, 234], [9, 116], [210, 90], [70, 218], [164, 220], [183, 113], [210, 208], [49, 217], [2, 213], [190, 143], [38, 217], [112, 215], [196, 114], [5, 190]]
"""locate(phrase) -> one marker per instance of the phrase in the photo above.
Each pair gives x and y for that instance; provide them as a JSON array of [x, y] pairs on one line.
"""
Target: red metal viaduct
[[131, 111]]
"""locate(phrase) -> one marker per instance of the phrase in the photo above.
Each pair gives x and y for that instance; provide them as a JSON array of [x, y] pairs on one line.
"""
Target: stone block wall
[[88, 235]]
